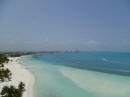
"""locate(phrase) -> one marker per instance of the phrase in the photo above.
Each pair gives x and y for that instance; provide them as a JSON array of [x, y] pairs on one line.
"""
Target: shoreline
[[32, 80], [20, 73]]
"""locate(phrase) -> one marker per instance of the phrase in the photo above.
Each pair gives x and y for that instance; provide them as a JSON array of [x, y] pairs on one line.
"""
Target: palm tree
[[13, 91], [21, 87], [5, 74]]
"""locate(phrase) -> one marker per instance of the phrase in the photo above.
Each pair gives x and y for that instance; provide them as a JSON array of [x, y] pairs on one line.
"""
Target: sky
[[42, 25]]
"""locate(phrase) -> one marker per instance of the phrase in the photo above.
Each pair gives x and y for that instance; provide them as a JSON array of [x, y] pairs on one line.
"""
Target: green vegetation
[[13, 91], [3, 59], [5, 74], [1, 65], [18, 54]]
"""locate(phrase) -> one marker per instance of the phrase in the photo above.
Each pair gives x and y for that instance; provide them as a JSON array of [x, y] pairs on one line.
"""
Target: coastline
[[20, 73]]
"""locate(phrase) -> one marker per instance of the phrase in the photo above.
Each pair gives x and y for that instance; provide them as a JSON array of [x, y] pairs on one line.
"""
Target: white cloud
[[92, 42]]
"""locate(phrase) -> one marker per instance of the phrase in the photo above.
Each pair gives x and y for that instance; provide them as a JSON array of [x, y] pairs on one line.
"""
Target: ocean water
[[88, 74]]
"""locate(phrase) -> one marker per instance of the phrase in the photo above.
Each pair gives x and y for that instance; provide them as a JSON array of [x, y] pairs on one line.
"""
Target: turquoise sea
[[86, 74]]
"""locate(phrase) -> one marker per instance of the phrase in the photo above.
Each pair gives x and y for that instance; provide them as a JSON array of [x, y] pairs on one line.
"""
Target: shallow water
[[80, 74]]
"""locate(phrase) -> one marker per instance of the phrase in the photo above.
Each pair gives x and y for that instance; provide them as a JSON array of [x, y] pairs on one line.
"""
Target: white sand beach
[[20, 73]]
